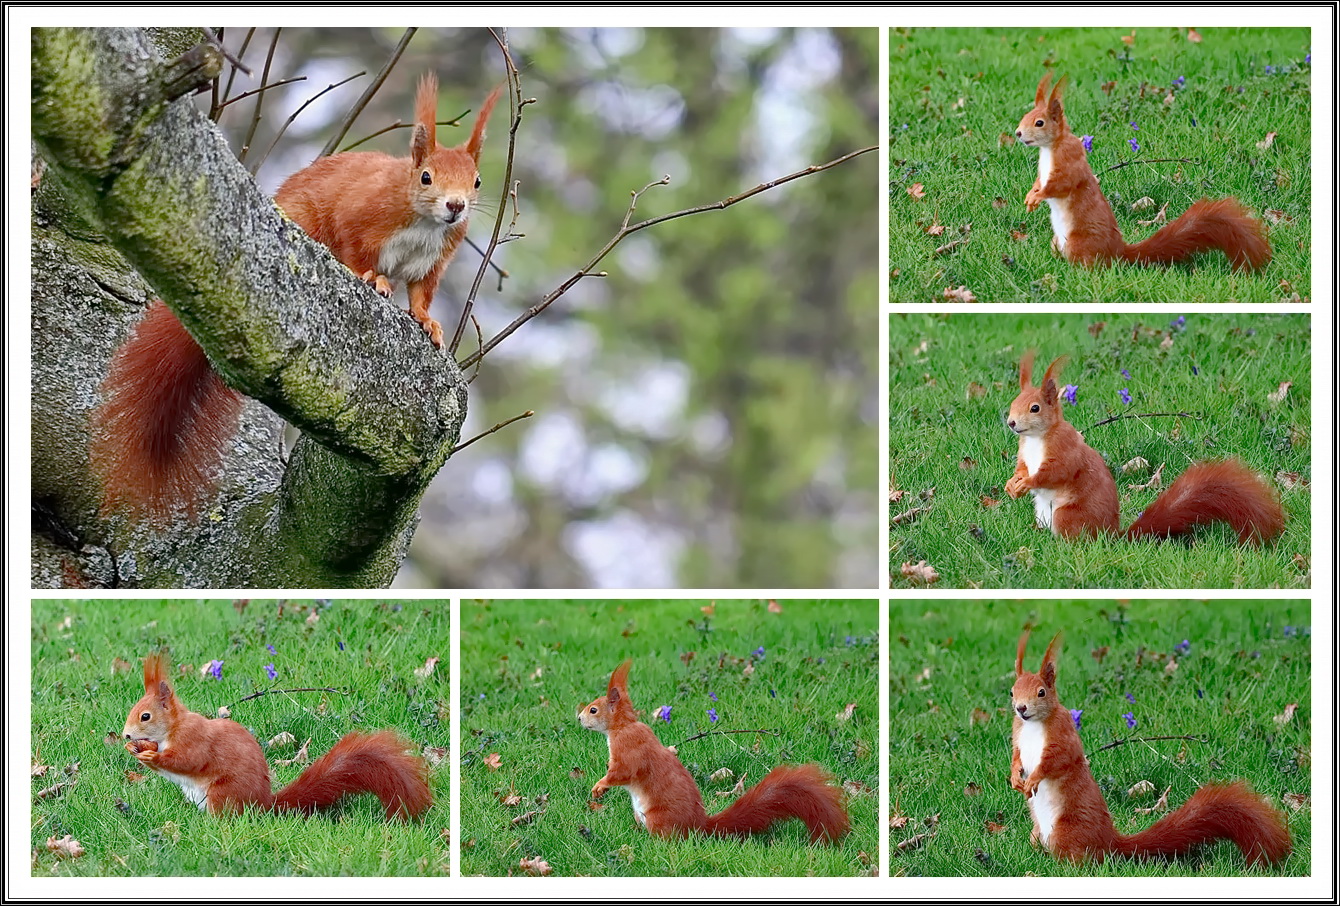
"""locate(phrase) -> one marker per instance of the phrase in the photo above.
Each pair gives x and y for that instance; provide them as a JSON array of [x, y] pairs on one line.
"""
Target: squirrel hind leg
[[380, 282]]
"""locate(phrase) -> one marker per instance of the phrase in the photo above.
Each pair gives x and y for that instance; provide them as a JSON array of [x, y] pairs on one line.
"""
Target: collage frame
[[888, 594]]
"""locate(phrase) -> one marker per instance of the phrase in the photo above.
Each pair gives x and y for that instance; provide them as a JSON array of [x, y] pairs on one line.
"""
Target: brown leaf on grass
[[909, 516], [1096, 328], [1107, 87], [1193, 36], [434, 755], [897, 820], [920, 571], [1171, 667], [526, 818], [1004, 140], [972, 789], [1275, 216], [855, 788], [135, 777], [895, 495], [1141, 790], [536, 866], [282, 741], [1296, 801], [313, 618], [1167, 343], [737, 790], [709, 610], [427, 669], [1155, 480], [1099, 653], [846, 712], [576, 773], [594, 806], [980, 716], [1287, 714], [1018, 235], [1142, 203], [949, 247], [994, 828], [988, 502], [66, 847], [39, 770], [493, 761], [510, 800], [1160, 806], [1299, 437], [998, 202], [1265, 143], [1279, 395], [1291, 480], [52, 791], [1160, 218], [916, 842], [967, 463], [1128, 40], [935, 229], [687, 657], [1139, 464], [720, 775], [774, 607], [916, 190], [121, 666], [960, 294], [301, 757]]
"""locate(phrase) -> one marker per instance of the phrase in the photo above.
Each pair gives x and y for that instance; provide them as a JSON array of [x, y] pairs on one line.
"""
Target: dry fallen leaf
[[427, 669], [845, 713], [1139, 464], [1291, 480], [1096, 328], [313, 617], [282, 741], [1193, 36], [972, 789], [987, 502], [967, 463], [135, 777], [1160, 806], [1171, 667], [1265, 143], [774, 607], [1142, 203], [66, 847], [493, 761], [935, 229], [536, 866], [920, 571], [434, 755], [1287, 714], [1140, 790], [709, 610], [914, 842], [737, 790], [994, 828], [1296, 801], [961, 294], [980, 716], [1155, 480], [1128, 40], [1279, 395], [1160, 218], [721, 775], [916, 190], [120, 666], [300, 757]]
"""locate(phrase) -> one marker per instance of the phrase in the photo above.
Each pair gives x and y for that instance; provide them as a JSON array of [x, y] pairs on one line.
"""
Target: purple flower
[[1130, 697], [270, 671], [663, 712], [341, 644], [1182, 647], [1126, 374], [1179, 81], [1288, 631], [1087, 142], [772, 692], [1075, 715], [1135, 146], [271, 649], [215, 669], [1130, 720], [1068, 393], [712, 696], [758, 652], [1308, 59], [1179, 323], [1195, 370], [1125, 396], [1135, 127], [1269, 69], [712, 714]]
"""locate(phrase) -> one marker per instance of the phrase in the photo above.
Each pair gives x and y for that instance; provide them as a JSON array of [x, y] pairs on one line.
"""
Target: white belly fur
[[1045, 803], [1044, 499], [194, 791], [411, 253], [639, 812], [1060, 207]]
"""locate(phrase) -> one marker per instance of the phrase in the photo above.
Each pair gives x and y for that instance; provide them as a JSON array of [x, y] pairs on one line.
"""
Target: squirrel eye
[[426, 178], [478, 182], [594, 709], [145, 716], [1038, 123], [1034, 408], [1042, 693]]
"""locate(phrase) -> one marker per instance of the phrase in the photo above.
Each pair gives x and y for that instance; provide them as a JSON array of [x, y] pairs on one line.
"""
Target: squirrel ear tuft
[[1049, 392], [476, 141], [1048, 671], [1019, 657], [1026, 370], [1054, 109], [1041, 97]]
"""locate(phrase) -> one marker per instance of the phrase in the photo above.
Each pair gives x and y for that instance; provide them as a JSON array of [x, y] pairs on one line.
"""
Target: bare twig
[[362, 102], [260, 99], [725, 732], [285, 692], [247, 94], [288, 122], [455, 121], [237, 62], [1156, 160], [626, 231], [502, 272], [498, 427], [1118, 742], [515, 105], [216, 38], [1117, 418]]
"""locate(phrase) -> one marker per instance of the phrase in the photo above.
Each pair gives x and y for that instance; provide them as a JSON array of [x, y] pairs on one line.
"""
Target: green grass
[[951, 669], [527, 666], [952, 378], [87, 676], [956, 97]]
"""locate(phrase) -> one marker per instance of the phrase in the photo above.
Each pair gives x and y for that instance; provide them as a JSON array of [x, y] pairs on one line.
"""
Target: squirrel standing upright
[[220, 767], [1075, 496], [160, 433], [1083, 227], [1070, 818], [666, 800]]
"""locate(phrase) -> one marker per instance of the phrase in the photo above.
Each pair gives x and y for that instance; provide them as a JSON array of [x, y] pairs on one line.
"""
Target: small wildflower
[[1068, 393], [216, 669], [1130, 697], [1269, 69], [1126, 374], [758, 652], [1179, 81], [1135, 146], [1288, 631], [1125, 396], [341, 644], [663, 712], [712, 714], [1130, 720], [1308, 59], [1135, 127], [1179, 323], [271, 649], [270, 671], [1075, 715], [1182, 647], [1087, 142], [712, 696]]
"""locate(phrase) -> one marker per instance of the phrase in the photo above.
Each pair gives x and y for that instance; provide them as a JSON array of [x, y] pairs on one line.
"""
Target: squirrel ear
[[1019, 658], [1054, 109], [420, 145], [1048, 671], [1026, 370], [476, 142], [153, 671], [619, 679], [165, 694], [1041, 97], [1049, 392]]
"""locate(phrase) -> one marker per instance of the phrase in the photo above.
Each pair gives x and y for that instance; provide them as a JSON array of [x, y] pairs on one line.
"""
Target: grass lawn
[[527, 766], [87, 675], [952, 378], [1238, 124], [951, 669]]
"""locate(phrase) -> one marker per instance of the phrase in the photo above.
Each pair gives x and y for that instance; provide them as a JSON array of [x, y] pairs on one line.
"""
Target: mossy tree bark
[[138, 196]]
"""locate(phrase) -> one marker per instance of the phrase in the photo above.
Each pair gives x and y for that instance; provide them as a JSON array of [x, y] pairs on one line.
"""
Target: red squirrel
[[166, 417], [666, 800], [1070, 818], [1075, 496], [1084, 230], [220, 767]]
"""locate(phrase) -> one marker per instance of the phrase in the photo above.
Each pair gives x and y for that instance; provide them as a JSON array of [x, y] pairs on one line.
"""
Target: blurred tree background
[[705, 415]]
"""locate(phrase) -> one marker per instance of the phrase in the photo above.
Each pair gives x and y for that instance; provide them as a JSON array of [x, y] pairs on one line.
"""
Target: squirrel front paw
[[1017, 782], [1015, 487], [379, 282], [434, 332], [598, 790], [1032, 200], [1030, 786]]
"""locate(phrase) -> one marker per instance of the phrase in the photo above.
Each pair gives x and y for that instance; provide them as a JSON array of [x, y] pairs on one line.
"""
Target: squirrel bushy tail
[[1206, 225], [380, 764], [159, 435], [1215, 812], [801, 791], [1208, 492]]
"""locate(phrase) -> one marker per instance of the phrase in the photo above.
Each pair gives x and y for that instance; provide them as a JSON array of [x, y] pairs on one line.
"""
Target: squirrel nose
[[1010, 423], [1021, 708], [455, 207], [1018, 133]]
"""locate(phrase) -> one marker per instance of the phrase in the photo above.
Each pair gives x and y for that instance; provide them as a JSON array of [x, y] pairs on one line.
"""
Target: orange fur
[[1070, 818], [1076, 496], [160, 436], [1083, 226], [666, 799], [220, 766]]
